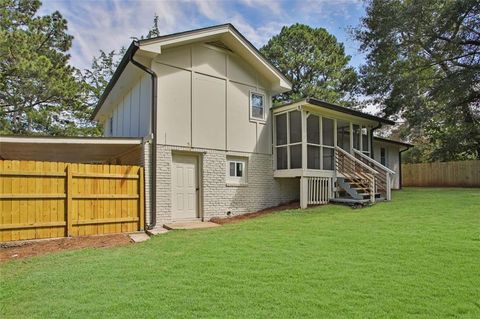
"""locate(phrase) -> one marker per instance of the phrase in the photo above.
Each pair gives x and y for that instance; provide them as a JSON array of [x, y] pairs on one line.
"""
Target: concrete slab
[[157, 231], [139, 237], [190, 225]]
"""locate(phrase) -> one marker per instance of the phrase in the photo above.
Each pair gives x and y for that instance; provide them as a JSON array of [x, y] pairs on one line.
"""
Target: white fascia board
[[74, 140]]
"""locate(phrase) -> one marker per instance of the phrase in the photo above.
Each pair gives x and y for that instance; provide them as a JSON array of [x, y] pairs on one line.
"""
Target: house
[[215, 146]]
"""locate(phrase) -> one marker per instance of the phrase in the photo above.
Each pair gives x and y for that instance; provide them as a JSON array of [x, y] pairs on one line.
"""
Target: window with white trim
[[236, 171], [257, 106]]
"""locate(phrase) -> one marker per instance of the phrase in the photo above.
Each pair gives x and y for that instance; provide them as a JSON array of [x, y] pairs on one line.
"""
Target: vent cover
[[219, 44]]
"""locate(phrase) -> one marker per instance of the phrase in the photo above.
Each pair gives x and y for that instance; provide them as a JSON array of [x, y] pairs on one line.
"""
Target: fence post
[[69, 200], [141, 199]]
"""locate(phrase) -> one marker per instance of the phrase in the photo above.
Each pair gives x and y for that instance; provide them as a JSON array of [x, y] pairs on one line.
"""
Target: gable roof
[[316, 102], [155, 45], [198, 34]]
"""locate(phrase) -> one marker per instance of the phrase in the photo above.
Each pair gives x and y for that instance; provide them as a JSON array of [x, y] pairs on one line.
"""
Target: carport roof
[[66, 149]]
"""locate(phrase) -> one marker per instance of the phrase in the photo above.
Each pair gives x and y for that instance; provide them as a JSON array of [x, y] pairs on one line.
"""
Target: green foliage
[[39, 92], [101, 71], [423, 66], [314, 62], [417, 256]]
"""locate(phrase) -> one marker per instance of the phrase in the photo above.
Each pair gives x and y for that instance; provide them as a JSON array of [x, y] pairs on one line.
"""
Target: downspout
[[153, 130], [371, 138], [400, 167]]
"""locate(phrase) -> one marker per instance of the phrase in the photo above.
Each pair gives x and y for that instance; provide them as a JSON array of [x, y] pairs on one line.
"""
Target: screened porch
[[329, 148]]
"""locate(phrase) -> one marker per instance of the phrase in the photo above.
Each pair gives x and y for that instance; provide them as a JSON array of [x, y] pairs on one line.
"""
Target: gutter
[[400, 166], [153, 130]]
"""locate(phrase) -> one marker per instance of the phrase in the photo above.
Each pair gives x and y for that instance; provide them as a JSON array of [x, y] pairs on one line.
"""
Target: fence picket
[[48, 199]]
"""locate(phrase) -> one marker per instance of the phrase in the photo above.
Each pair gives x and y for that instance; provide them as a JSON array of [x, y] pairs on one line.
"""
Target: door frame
[[199, 194]]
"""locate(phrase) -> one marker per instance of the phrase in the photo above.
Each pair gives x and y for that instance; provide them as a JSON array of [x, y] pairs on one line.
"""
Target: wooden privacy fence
[[453, 174], [54, 199]]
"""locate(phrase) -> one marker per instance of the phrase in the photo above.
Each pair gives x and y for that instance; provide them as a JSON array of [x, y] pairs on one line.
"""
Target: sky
[[109, 24]]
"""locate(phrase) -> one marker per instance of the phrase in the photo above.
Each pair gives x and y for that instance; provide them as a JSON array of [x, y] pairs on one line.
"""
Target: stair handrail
[[374, 162], [356, 160], [370, 177], [387, 173]]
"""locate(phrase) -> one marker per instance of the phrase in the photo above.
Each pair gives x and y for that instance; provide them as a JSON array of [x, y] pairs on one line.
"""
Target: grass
[[417, 256]]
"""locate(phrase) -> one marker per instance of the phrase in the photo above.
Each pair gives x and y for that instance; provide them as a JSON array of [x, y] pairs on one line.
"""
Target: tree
[[97, 77], [314, 62], [39, 92], [423, 66], [104, 65]]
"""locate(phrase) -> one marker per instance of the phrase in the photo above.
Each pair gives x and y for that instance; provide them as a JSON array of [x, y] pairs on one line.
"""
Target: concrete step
[[190, 225]]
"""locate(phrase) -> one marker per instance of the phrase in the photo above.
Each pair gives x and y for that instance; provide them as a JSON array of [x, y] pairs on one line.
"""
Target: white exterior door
[[184, 187]]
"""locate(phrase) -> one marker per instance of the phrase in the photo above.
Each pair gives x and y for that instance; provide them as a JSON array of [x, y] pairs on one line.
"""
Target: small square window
[[257, 106], [236, 171]]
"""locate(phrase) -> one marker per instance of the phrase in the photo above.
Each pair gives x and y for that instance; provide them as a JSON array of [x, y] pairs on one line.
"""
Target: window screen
[[257, 102]]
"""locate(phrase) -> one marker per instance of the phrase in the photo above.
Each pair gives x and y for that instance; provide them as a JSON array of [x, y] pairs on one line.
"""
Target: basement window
[[236, 171], [257, 106]]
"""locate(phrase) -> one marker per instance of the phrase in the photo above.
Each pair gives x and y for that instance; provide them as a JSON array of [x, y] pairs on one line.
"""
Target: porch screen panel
[[356, 136], [296, 156], [313, 129], [281, 129], [313, 157], [282, 159], [343, 135], [327, 131], [295, 119], [365, 141], [328, 158]]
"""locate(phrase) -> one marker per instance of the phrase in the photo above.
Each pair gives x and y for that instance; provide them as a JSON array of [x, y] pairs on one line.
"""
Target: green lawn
[[417, 256]]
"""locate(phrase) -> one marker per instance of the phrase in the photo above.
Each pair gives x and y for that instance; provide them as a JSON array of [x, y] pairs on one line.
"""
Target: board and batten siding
[[131, 113], [204, 100]]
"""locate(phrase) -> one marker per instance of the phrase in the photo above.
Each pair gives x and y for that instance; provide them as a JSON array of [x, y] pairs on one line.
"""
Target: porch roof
[[334, 107], [65, 149], [386, 140]]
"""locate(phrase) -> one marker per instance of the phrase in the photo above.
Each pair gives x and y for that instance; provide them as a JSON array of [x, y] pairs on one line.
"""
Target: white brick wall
[[261, 191]]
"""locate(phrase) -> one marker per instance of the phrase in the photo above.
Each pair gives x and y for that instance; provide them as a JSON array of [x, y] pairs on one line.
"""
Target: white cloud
[[110, 24]]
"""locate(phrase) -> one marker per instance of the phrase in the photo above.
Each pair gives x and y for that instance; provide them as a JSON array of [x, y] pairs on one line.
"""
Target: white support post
[[389, 186], [372, 191], [303, 192], [304, 140]]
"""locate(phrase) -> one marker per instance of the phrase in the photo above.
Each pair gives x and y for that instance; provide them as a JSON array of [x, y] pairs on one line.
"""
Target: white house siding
[[203, 100], [261, 191], [204, 108], [131, 112], [392, 160]]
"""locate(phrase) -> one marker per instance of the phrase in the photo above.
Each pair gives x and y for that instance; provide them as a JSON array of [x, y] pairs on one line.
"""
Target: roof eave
[[116, 75]]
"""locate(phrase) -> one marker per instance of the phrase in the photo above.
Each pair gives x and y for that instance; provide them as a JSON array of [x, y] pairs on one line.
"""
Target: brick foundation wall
[[261, 190]]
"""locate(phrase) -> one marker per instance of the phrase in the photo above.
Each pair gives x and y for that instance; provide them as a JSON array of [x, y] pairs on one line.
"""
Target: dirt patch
[[16, 250], [266, 211]]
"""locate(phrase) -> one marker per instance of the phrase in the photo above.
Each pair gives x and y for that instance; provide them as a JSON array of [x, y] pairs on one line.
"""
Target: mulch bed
[[238, 218], [16, 250]]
